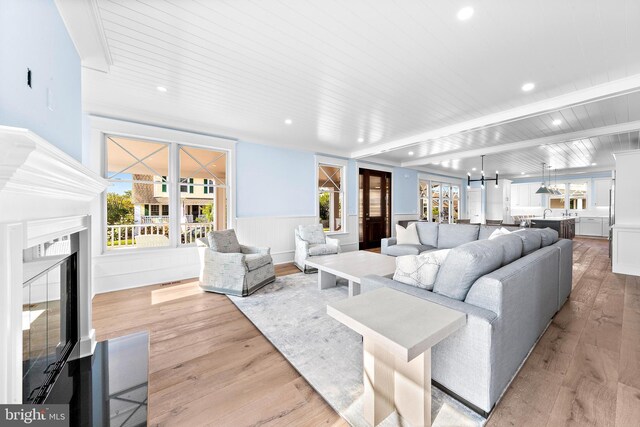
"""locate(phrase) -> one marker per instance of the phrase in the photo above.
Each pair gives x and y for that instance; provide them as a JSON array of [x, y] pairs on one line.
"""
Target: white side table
[[398, 332]]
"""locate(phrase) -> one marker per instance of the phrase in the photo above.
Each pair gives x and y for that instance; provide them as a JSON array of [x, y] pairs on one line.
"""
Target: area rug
[[292, 314]]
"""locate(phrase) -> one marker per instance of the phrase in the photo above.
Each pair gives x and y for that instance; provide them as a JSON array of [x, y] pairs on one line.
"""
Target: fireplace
[[49, 314], [47, 200]]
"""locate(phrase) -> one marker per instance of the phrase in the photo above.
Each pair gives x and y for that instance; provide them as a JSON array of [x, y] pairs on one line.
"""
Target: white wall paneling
[[626, 231], [278, 234]]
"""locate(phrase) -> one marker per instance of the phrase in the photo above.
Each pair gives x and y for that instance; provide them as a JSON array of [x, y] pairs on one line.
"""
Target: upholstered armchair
[[227, 267], [311, 241]]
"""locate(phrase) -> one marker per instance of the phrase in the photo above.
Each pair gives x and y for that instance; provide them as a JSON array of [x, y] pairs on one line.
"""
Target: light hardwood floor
[[210, 365]]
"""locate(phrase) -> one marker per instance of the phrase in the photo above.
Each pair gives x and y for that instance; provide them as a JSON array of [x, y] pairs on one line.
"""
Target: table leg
[[326, 280], [413, 389], [354, 288], [378, 382]]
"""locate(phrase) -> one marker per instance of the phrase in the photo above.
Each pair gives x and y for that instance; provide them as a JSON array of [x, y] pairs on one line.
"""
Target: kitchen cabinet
[[593, 226], [524, 195], [601, 189]]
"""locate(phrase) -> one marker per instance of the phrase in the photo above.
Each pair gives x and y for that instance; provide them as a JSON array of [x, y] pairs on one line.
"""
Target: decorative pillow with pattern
[[314, 234], [419, 270], [224, 241]]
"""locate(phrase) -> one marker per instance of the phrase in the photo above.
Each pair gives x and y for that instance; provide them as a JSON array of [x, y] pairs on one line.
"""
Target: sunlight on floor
[[174, 292]]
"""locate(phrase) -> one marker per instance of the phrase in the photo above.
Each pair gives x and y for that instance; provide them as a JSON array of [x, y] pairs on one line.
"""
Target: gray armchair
[[228, 267], [311, 241]]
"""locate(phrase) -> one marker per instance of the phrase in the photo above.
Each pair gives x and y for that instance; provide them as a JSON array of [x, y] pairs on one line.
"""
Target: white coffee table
[[351, 266], [398, 332]]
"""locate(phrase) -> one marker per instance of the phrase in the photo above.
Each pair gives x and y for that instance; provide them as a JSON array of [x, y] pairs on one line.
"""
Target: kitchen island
[[564, 225]]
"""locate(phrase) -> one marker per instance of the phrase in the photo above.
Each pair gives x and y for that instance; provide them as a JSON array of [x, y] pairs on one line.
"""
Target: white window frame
[[336, 163], [430, 179], [102, 127]]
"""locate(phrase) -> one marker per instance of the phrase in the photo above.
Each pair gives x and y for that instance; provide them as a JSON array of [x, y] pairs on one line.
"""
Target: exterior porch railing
[[153, 235]]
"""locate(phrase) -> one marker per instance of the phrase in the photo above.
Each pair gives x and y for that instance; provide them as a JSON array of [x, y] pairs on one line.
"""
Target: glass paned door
[[375, 194]]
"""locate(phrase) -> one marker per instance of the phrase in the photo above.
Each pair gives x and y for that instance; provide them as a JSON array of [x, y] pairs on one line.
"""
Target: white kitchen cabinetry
[[601, 189], [592, 226], [524, 195]]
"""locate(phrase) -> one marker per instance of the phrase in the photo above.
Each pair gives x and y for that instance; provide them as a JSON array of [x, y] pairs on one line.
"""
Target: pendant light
[[556, 191], [482, 179], [543, 186]]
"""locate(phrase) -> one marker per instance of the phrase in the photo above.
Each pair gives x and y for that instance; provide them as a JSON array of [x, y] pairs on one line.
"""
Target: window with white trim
[[143, 195], [331, 197]]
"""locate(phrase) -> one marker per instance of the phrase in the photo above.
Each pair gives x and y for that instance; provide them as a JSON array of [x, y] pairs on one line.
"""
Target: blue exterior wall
[[33, 35]]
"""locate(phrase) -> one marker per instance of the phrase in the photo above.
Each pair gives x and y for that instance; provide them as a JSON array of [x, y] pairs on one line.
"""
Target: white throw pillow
[[407, 236], [499, 232], [420, 270]]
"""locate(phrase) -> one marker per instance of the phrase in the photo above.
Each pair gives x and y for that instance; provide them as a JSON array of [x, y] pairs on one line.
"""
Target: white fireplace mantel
[[44, 194]]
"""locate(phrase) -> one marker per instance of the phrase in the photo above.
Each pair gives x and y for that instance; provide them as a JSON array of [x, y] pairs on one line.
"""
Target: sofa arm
[[385, 243], [334, 242], [255, 250], [302, 246], [221, 263]]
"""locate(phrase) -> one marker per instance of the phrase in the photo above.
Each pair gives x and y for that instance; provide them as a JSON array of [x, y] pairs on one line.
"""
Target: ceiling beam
[[83, 22], [583, 96], [511, 146]]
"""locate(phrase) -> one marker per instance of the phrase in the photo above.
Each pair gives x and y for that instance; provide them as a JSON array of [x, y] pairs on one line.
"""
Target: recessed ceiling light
[[288, 121], [473, 169], [410, 153], [161, 88], [593, 164], [465, 13], [527, 87], [557, 122], [360, 139], [521, 173]]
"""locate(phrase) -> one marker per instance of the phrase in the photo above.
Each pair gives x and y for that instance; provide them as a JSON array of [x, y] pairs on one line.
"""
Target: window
[[578, 195], [139, 200], [137, 171], [439, 201], [424, 199], [331, 197], [558, 201], [203, 206]]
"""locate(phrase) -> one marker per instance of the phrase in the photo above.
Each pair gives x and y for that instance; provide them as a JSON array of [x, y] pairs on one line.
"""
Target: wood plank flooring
[[210, 366]]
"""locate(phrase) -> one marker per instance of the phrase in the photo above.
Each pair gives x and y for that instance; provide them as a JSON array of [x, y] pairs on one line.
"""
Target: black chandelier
[[482, 179]]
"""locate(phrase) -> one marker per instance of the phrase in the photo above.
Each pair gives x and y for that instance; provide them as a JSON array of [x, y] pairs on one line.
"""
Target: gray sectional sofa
[[509, 287]]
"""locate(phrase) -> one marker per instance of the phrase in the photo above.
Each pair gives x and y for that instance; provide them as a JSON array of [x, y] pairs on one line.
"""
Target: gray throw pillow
[[549, 236], [314, 234], [452, 235], [511, 245], [466, 264], [531, 240], [224, 241]]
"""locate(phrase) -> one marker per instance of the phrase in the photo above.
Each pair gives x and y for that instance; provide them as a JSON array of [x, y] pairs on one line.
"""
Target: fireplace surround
[[45, 194]]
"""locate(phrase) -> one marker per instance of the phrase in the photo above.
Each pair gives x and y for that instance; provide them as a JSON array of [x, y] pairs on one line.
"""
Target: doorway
[[474, 204], [375, 207]]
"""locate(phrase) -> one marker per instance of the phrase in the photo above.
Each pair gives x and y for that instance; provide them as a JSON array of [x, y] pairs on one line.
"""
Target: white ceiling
[[382, 71]]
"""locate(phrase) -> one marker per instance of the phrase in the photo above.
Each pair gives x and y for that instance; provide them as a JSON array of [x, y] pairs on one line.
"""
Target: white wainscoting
[[141, 267], [278, 234]]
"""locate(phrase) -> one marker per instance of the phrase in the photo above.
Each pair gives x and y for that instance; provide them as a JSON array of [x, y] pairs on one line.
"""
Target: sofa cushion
[[464, 265], [453, 235], [323, 249], [407, 236], [428, 233], [531, 240], [419, 270], [224, 241], [511, 246], [399, 250], [549, 236], [255, 261], [314, 234]]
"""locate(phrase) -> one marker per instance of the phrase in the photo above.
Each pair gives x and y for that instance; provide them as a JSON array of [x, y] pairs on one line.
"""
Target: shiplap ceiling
[[352, 76]]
